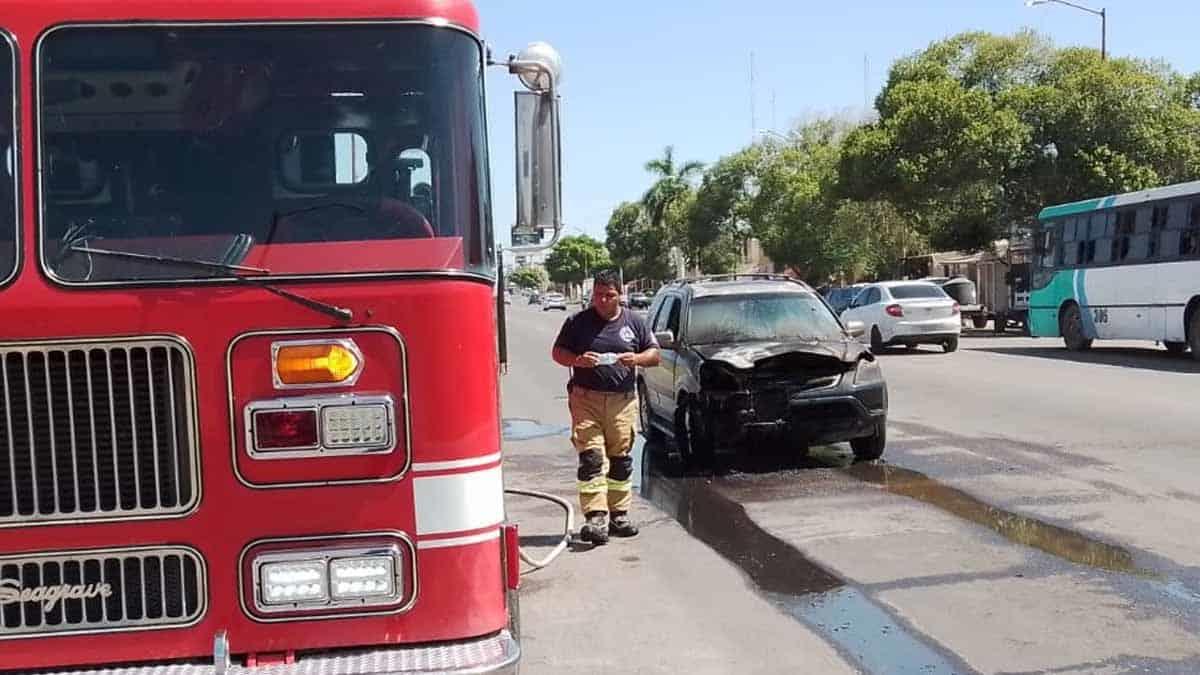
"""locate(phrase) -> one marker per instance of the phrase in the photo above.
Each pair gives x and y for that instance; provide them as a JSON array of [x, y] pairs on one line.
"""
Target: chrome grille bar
[[62, 458], [99, 591]]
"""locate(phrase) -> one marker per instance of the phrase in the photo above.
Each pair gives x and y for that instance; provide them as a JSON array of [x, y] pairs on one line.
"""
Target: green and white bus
[[1120, 267]]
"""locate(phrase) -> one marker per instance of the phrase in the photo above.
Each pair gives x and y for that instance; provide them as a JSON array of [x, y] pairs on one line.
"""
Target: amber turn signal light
[[316, 363]]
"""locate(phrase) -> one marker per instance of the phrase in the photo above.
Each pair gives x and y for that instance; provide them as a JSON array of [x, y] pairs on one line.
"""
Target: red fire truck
[[249, 336]]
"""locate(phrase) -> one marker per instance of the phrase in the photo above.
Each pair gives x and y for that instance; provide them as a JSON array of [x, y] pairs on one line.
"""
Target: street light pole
[[1102, 13]]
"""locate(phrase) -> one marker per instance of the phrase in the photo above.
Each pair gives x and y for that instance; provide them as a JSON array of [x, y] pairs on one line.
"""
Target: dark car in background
[[839, 298], [752, 357]]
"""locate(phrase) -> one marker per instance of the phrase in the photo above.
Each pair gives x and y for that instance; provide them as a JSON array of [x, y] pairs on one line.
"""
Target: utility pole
[[753, 112], [866, 86], [773, 123]]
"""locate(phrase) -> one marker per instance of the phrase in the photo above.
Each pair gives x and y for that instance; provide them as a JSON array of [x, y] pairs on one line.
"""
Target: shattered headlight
[[867, 372], [716, 377]]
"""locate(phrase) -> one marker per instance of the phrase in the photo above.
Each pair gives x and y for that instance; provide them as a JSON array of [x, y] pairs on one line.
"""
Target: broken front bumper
[[499, 653], [839, 414]]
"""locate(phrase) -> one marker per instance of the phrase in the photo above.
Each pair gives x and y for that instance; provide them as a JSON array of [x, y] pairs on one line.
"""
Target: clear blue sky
[[642, 75]]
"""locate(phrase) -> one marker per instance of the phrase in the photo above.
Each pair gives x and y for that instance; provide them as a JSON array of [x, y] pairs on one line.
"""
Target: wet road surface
[[1031, 514]]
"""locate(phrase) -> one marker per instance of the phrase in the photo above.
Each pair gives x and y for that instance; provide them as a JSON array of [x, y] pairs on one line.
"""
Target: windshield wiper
[[340, 313]]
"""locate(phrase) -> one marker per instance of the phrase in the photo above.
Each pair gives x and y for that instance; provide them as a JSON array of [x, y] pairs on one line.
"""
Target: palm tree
[[671, 183]]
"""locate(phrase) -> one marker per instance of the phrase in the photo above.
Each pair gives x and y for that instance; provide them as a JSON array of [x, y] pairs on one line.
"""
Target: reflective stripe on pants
[[602, 431]]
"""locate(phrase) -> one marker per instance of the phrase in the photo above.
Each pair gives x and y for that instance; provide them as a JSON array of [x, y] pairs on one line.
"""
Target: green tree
[[530, 278], [666, 201], [635, 245], [717, 223], [979, 131], [796, 208], [573, 258]]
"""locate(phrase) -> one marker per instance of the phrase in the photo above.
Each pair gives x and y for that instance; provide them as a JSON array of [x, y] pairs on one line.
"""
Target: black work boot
[[595, 530], [621, 525]]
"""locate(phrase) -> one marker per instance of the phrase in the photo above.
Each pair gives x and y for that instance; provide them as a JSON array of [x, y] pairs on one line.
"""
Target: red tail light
[[894, 310], [285, 429], [956, 309]]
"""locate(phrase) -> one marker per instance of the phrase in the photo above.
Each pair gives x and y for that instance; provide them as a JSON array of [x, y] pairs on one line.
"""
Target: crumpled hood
[[745, 355]]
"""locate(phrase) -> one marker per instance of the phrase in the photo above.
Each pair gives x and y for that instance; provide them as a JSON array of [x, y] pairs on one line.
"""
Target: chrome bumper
[[496, 654]]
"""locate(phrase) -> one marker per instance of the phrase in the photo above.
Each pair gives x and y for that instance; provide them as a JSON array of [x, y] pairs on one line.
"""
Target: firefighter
[[603, 346]]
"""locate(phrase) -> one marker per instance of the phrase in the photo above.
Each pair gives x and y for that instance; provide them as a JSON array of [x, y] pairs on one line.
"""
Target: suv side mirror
[[856, 329], [665, 339]]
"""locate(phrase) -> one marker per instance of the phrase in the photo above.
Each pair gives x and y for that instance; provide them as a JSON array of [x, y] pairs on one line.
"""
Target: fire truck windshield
[[308, 150], [8, 183]]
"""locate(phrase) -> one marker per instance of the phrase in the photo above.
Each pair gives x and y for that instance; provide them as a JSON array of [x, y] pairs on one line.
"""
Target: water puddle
[[522, 429], [1057, 541], [800, 588]]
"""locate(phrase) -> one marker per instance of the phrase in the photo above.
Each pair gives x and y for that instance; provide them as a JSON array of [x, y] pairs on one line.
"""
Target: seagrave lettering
[[12, 591]]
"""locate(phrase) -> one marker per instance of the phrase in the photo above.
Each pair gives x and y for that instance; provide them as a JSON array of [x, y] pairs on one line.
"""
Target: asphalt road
[[1036, 511]]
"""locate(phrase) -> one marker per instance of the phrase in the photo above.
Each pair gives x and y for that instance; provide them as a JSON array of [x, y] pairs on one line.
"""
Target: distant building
[[754, 259]]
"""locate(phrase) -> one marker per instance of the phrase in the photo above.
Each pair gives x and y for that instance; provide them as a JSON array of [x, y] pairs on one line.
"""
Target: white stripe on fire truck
[[459, 502], [422, 467], [459, 541]]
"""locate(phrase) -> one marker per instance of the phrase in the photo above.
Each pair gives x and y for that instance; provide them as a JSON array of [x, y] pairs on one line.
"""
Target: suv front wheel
[[871, 447], [692, 435]]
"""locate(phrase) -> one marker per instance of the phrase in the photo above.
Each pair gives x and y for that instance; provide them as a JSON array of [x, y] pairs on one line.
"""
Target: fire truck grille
[[88, 592], [96, 431]]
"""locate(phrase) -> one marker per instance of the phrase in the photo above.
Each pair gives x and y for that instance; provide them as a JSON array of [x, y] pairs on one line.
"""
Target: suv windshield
[[8, 183], [916, 291], [310, 140], [765, 317]]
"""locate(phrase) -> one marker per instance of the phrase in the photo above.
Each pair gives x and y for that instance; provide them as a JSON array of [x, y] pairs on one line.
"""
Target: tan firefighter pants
[[602, 431]]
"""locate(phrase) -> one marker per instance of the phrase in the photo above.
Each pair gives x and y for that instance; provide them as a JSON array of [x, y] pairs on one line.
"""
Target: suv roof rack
[[767, 276]]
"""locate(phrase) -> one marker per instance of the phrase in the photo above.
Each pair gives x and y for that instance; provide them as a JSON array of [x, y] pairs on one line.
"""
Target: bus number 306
[[1100, 315]]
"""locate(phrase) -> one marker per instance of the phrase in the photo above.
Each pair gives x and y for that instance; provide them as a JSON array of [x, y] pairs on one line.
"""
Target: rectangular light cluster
[[333, 579], [308, 426]]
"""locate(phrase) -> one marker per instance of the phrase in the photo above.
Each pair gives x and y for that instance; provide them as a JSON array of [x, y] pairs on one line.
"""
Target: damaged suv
[[748, 357]]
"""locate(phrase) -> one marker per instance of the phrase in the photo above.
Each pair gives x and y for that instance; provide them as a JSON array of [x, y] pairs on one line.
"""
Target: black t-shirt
[[587, 331]]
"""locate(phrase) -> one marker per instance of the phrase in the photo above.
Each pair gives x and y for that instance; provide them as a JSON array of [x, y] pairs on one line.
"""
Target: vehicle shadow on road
[[762, 459], [923, 350], [1127, 357]]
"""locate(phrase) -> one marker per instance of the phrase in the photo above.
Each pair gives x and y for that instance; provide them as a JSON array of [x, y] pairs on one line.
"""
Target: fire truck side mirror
[[539, 162]]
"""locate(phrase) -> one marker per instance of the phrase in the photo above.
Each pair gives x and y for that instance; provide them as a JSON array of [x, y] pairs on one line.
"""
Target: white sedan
[[554, 301], [908, 313]]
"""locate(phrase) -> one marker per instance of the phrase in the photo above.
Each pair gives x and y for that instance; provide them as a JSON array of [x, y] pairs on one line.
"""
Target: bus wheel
[[1070, 324], [1193, 334], [1176, 347]]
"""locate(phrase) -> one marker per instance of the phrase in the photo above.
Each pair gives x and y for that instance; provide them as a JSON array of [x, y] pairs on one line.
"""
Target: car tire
[[876, 340], [1070, 325], [692, 436], [979, 321], [651, 433], [950, 345], [1193, 334], [871, 447], [1176, 347]]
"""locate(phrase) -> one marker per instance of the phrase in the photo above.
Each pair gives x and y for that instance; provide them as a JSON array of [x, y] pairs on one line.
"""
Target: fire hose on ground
[[568, 527]]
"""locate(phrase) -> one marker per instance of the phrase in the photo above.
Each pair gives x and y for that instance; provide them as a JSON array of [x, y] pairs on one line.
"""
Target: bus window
[[1159, 217], [1189, 239], [1124, 235], [1050, 253]]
